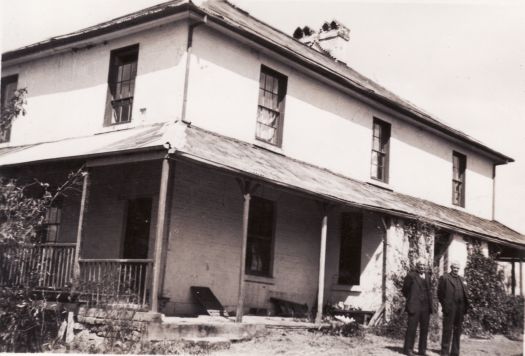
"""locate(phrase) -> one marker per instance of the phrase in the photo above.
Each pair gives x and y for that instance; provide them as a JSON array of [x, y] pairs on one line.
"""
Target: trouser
[[452, 320], [421, 317]]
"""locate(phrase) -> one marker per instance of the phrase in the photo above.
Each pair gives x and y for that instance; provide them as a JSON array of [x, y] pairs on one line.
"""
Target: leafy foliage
[[420, 238], [25, 324], [491, 309]]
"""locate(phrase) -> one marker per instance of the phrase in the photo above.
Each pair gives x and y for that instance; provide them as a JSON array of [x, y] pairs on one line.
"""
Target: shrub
[[491, 309], [26, 324]]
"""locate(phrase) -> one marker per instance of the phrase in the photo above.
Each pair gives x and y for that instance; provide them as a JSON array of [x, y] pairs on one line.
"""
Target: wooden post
[[159, 233], [521, 278], [247, 189], [245, 215], [322, 260], [513, 276], [386, 226], [80, 228]]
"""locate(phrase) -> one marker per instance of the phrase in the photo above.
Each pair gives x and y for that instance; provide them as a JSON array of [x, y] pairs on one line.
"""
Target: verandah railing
[[43, 266], [51, 267], [116, 280]]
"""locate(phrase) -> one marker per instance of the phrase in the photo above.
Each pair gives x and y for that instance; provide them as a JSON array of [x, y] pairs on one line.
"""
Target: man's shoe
[[409, 353]]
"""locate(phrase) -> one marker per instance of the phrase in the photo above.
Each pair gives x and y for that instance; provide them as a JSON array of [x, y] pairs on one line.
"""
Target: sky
[[462, 61]]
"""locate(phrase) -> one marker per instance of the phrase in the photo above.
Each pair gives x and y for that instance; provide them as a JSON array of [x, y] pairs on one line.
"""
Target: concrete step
[[227, 330]]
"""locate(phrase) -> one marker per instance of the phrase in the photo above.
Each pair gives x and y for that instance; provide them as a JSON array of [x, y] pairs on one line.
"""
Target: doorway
[[138, 220]]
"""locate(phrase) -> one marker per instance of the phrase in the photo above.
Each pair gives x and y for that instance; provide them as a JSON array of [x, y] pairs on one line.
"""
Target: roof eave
[[170, 8]]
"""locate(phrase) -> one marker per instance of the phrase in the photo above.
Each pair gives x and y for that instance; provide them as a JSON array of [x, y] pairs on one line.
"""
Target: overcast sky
[[463, 61]]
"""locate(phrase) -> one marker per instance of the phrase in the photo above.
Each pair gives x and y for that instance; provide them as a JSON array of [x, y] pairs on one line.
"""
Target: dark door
[[138, 221]]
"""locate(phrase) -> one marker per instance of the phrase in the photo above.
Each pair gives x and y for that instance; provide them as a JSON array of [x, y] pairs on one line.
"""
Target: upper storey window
[[380, 150], [459, 165], [270, 113], [121, 82], [8, 89]]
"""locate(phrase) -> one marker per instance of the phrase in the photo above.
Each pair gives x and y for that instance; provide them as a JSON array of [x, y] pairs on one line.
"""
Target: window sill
[[118, 127], [268, 146], [259, 279], [379, 184], [346, 288]]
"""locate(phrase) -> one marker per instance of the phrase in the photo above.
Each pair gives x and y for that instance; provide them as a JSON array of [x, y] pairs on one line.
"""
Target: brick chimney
[[331, 39]]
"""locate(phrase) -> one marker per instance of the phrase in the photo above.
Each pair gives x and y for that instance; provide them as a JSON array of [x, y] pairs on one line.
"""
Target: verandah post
[[80, 228], [322, 259], [159, 234], [247, 189]]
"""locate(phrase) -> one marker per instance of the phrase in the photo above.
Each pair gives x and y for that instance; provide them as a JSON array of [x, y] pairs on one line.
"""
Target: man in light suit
[[417, 291], [452, 295]]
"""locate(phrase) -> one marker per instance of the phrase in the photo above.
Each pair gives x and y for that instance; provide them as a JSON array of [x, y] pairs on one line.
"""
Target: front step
[[199, 331]]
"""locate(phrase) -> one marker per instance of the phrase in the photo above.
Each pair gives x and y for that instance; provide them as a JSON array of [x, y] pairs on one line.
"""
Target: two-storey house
[[221, 152]]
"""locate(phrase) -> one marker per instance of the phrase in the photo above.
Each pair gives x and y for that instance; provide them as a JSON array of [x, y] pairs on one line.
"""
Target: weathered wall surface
[[323, 125], [111, 188], [67, 92], [205, 238], [366, 295]]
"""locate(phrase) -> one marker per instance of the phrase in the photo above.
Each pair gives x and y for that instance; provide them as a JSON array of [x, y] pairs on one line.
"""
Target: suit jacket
[[414, 290], [446, 292]]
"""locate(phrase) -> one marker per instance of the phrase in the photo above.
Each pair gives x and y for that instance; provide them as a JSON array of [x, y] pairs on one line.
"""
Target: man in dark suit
[[452, 295], [417, 291]]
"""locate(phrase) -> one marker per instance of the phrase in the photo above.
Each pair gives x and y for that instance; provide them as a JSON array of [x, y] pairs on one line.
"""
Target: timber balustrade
[[44, 266], [116, 281], [50, 267]]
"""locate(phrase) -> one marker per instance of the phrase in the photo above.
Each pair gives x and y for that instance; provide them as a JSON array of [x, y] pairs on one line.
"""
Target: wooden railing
[[44, 266], [116, 281]]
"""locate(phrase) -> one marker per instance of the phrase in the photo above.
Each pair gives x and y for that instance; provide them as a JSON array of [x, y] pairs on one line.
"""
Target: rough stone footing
[[228, 331], [98, 315]]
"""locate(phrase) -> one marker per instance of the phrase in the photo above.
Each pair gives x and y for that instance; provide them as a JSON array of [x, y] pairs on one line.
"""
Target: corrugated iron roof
[[244, 158], [122, 141], [233, 155], [230, 16]]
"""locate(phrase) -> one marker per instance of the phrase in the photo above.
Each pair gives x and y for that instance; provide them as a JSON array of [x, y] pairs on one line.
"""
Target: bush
[[491, 311]]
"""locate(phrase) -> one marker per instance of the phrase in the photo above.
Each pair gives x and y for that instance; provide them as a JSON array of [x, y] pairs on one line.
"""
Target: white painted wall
[[367, 295], [67, 92], [324, 126]]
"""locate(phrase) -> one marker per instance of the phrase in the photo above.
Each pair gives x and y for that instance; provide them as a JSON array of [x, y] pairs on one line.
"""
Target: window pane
[[269, 115], [350, 249], [260, 236]]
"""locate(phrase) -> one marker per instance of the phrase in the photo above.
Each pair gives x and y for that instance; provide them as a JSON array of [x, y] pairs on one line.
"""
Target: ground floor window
[[259, 249], [51, 226], [350, 249]]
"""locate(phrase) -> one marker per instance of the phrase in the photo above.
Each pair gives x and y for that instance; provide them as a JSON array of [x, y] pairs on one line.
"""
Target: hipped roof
[[242, 158], [232, 18]]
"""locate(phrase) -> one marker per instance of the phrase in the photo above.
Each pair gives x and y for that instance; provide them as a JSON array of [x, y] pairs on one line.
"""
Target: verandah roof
[[244, 158], [230, 154]]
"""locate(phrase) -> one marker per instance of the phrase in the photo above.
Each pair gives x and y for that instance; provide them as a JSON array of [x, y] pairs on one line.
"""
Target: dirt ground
[[305, 343]]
